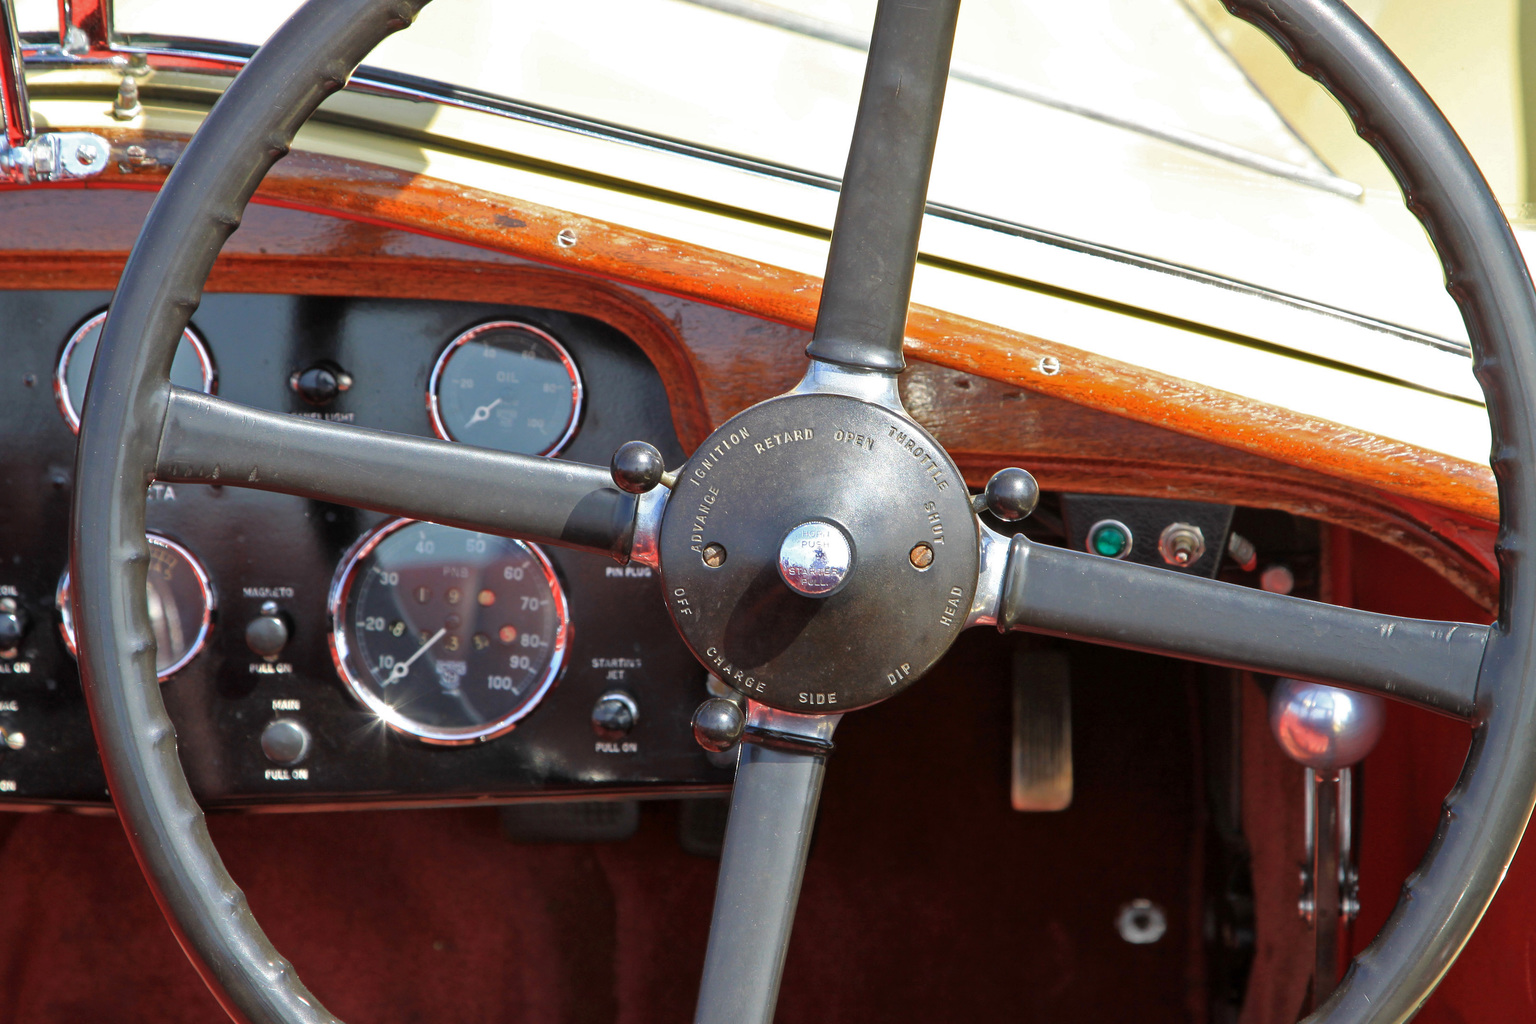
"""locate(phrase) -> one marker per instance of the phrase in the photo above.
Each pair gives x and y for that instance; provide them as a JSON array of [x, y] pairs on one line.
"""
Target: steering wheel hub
[[787, 551]]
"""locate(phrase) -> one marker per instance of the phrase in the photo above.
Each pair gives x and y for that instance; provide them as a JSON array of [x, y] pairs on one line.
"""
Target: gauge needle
[[402, 667], [482, 413]]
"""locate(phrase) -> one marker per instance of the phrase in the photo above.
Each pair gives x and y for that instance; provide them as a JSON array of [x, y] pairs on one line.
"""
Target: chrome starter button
[[815, 558]]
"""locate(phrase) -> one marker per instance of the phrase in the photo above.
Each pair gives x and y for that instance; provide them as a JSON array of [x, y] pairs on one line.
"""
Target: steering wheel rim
[[313, 54]]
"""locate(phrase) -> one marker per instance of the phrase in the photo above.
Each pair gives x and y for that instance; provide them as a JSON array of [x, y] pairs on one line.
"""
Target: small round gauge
[[181, 605], [445, 634], [508, 386], [191, 368]]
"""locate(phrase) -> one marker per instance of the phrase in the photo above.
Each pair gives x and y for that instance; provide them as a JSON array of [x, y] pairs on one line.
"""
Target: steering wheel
[[819, 552]]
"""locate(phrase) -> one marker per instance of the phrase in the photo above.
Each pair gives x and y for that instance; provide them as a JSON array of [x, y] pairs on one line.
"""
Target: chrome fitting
[[54, 156]]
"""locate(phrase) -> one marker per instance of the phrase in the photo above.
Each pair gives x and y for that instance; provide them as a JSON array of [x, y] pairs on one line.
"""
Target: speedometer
[[445, 634]]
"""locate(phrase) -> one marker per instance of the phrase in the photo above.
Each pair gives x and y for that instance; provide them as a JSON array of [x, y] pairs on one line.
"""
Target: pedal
[[1042, 729]]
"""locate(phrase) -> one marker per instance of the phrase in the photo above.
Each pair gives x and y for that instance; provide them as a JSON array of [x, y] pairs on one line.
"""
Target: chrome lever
[[1328, 731], [773, 808]]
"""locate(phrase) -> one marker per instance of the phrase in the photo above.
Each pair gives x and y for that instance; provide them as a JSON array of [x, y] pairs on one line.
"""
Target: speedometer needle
[[482, 413], [402, 667]]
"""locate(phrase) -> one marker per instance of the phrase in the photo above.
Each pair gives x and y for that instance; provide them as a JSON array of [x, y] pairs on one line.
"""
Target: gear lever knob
[[1323, 727]]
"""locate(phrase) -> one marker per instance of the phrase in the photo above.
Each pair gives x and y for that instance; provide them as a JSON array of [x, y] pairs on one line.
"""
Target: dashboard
[[313, 654]]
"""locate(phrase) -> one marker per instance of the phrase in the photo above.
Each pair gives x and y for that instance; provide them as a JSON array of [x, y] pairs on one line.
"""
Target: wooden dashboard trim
[[385, 196], [1156, 435]]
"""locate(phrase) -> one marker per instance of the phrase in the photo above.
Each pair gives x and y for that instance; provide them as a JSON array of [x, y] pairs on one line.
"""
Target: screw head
[[1141, 922], [717, 724], [1011, 494], [921, 556], [637, 467], [714, 555]]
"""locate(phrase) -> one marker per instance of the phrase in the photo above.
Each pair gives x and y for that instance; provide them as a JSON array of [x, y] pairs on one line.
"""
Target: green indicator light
[[1109, 538]]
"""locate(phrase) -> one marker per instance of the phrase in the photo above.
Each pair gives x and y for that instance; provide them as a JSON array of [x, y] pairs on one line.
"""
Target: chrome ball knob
[[1323, 727], [717, 724]]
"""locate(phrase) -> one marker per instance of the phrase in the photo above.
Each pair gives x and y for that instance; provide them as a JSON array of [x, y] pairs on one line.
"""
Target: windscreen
[[1127, 125]]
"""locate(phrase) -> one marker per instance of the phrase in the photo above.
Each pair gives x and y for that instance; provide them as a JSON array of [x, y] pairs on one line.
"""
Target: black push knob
[[1011, 494], [321, 383], [13, 624], [267, 634], [637, 467], [614, 714], [285, 742], [717, 724]]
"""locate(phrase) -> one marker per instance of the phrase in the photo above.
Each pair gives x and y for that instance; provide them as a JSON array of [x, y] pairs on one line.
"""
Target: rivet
[[714, 555], [921, 556]]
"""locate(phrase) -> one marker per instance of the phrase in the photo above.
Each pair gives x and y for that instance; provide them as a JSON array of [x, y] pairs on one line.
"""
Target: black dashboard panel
[[259, 547]]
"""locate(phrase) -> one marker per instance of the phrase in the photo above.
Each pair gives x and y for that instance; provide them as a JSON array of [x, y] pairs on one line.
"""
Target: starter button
[[285, 742]]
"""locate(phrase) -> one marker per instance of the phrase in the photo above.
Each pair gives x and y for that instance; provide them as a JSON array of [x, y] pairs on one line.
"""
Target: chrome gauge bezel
[[578, 389], [204, 583], [61, 392], [336, 604]]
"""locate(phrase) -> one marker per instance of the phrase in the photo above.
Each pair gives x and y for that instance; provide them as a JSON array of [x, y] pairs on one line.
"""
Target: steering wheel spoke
[[779, 772], [1081, 596], [211, 441]]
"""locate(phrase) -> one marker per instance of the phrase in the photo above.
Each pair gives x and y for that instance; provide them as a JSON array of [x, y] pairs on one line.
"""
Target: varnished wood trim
[[717, 366], [445, 210]]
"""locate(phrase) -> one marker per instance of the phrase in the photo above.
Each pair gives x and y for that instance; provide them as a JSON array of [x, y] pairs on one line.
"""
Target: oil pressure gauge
[[506, 385], [445, 634], [192, 368]]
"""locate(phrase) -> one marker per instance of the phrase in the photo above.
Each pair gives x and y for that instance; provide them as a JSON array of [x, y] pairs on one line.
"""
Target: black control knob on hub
[[637, 467], [267, 634], [321, 383], [13, 624], [1011, 495], [285, 742], [718, 724], [614, 714]]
